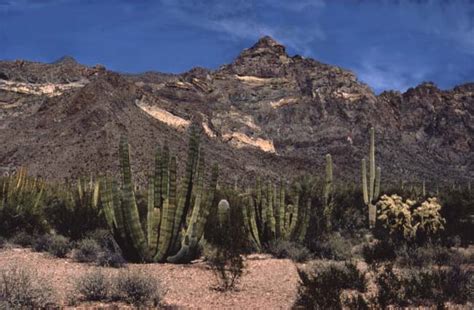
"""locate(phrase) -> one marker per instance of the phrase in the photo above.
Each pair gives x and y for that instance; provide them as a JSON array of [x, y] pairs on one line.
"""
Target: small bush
[[107, 258], [288, 249], [332, 246], [22, 239], [42, 243], [21, 288], [322, 287], [438, 286], [59, 246], [93, 286], [378, 251], [2, 242], [390, 288], [136, 288], [411, 256], [87, 251]]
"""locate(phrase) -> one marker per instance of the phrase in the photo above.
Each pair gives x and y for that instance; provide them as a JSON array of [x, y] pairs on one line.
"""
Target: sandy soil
[[266, 284]]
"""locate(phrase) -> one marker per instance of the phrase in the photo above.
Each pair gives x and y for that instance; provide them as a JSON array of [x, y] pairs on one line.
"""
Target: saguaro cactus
[[328, 192], [373, 191]]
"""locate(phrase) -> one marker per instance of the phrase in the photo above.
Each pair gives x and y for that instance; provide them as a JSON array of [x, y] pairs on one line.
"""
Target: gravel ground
[[267, 283]]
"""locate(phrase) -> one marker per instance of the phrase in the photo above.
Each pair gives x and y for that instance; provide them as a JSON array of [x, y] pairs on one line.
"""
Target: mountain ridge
[[266, 113]]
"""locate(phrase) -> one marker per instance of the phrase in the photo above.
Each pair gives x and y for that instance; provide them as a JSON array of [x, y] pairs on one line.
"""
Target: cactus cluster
[[406, 218], [371, 191], [267, 215], [175, 217], [19, 190]]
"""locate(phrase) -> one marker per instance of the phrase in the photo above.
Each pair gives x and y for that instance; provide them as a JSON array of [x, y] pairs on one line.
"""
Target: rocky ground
[[266, 284]]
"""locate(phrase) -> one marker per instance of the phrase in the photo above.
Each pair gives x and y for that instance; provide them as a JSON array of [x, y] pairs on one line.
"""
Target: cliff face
[[265, 113]]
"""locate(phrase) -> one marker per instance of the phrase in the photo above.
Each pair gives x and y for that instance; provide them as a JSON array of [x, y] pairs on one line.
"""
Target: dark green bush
[[321, 287], [288, 249], [59, 246], [390, 288], [87, 251], [421, 256], [136, 288], [458, 210], [438, 286], [378, 251], [93, 286], [332, 246]]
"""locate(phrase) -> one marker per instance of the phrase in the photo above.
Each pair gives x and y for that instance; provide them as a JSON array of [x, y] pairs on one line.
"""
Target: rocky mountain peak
[[66, 60]]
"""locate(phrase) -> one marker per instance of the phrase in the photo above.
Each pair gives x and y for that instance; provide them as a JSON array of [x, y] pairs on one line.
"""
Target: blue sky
[[389, 44]]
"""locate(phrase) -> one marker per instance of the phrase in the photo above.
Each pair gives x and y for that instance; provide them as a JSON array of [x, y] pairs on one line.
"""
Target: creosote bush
[[332, 246], [93, 286], [42, 243], [136, 288], [60, 246], [22, 288], [22, 239], [87, 251]]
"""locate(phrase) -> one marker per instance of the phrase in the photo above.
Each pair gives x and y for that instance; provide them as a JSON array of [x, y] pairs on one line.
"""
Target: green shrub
[[87, 251], [288, 249], [2, 242], [378, 251], [332, 246], [59, 246], [93, 286], [438, 285], [321, 287], [421, 256], [136, 288], [21, 288], [22, 239], [42, 243], [390, 288]]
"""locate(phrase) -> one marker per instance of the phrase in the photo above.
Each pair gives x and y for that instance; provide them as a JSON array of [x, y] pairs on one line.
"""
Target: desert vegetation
[[361, 246]]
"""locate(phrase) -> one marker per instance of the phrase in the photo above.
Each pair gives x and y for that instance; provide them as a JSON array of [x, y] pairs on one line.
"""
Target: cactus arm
[[130, 207], [372, 165], [377, 183]]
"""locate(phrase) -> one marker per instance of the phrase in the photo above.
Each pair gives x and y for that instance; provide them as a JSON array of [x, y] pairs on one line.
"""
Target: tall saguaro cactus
[[372, 191], [328, 192]]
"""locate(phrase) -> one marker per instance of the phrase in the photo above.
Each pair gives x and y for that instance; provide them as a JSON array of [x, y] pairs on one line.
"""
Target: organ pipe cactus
[[371, 191], [267, 215], [172, 230]]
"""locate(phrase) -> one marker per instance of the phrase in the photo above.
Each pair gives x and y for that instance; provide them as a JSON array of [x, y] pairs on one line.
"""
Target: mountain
[[266, 113]]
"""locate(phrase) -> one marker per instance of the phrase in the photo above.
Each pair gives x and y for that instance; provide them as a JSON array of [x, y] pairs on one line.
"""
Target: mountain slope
[[265, 113]]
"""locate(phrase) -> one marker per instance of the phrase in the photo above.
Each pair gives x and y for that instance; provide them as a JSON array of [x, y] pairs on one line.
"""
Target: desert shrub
[[378, 251], [389, 287], [287, 249], [419, 256], [136, 288], [321, 287], [22, 239], [332, 246], [42, 243], [111, 259], [59, 246], [227, 242], [458, 211], [93, 286], [438, 285], [21, 288], [2, 242], [87, 251]]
